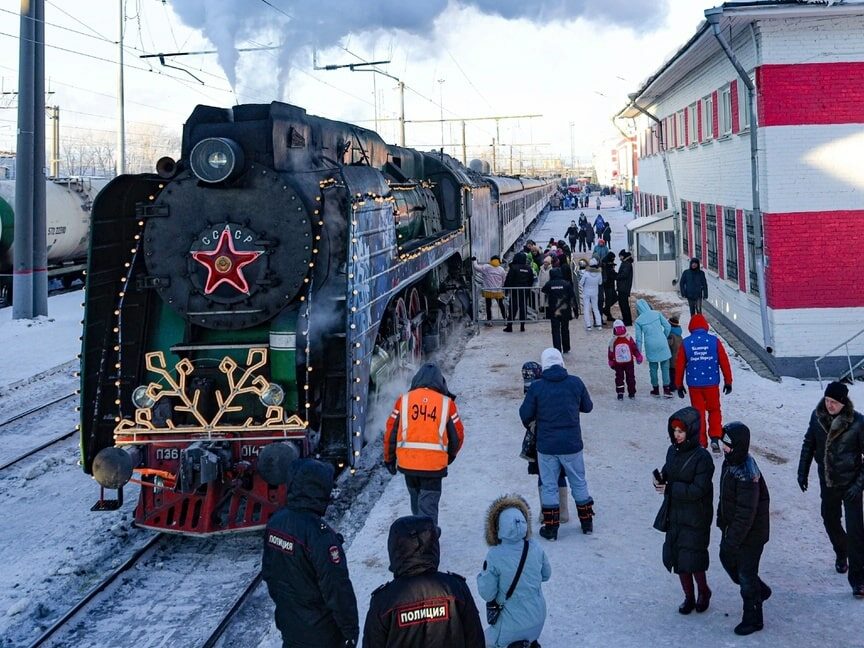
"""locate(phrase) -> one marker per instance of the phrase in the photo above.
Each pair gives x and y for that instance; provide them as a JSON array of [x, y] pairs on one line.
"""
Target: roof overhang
[[644, 221], [735, 17]]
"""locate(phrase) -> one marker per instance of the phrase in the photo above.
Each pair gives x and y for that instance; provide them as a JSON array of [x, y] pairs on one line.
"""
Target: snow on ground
[[610, 589], [34, 346]]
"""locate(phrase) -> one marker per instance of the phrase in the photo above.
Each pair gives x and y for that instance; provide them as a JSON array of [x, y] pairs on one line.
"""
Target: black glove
[[350, 643], [391, 467], [715, 446], [727, 388], [681, 392], [802, 483]]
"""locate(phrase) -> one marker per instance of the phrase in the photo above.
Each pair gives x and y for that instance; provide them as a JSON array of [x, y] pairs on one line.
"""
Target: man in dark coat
[[572, 234], [610, 295], [554, 403], [521, 277], [835, 438], [624, 283], [606, 235], [743, 519], [304, 565], [421, 606], [559, 310], [689, 492], [694, 286]]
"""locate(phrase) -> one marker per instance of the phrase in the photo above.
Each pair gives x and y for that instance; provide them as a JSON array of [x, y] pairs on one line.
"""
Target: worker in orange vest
[[423, 436]]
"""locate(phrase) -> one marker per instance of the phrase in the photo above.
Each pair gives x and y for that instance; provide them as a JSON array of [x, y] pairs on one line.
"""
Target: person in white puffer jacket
[[589, 284], [492, 276]]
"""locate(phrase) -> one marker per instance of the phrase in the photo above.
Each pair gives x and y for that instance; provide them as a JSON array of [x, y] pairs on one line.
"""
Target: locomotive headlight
[[216, 159], [141, 399], [273, 395]]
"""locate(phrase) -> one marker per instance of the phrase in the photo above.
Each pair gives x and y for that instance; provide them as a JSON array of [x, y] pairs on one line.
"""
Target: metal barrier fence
[[520, 305]]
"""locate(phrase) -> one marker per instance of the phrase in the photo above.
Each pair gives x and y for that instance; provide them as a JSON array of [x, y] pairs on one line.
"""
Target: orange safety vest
[[422, 438]]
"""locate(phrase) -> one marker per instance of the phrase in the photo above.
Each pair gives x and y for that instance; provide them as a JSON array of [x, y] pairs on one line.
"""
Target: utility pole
[[441, 107], [494, 161], [464, 146], [30, 249], [121, 108], [401, 109], [495, 145], [573, 147], [55, 141]]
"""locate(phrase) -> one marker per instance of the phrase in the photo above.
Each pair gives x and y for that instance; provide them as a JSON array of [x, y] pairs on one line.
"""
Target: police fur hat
[[495, 510]]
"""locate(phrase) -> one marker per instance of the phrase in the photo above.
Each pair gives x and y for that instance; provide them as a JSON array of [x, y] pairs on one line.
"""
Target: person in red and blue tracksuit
[[701, 360]]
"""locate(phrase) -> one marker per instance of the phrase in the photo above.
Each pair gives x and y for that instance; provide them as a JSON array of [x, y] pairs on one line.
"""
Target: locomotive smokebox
[[112, 467], [274, 460]]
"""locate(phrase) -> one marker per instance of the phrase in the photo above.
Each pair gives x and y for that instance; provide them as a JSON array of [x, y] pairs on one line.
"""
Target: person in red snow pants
[[701, 361]]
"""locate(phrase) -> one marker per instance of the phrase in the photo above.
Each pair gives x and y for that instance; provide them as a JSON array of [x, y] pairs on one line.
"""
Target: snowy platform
[[610, 589]]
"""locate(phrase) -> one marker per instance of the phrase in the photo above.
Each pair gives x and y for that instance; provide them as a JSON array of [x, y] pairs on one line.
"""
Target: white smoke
[[305, 24]]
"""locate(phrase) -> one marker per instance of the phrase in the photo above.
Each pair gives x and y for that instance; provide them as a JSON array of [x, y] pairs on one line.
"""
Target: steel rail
[[33, 410], [93, 593]]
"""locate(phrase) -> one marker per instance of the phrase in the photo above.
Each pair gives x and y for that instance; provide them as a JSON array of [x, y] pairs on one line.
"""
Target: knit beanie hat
[[618, 327], [677, 424], [551, 357], [673, 320], [837, 391], [593, 263]]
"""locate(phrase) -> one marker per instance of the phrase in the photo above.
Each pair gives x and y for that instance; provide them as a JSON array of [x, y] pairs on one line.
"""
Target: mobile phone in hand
[[658, 477]]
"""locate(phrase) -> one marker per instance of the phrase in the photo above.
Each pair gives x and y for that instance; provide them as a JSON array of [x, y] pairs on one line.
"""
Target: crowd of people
[[305, 566]]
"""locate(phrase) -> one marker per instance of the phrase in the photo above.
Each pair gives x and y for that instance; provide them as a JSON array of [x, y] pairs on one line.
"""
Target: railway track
[[33, 410], [66, 620], [42, 446]]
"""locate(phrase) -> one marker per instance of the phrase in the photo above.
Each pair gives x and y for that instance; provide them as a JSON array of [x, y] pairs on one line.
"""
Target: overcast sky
[[569, 60]]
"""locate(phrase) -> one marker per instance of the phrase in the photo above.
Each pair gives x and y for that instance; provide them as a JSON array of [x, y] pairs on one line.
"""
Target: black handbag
[[529, 444], [661, 521], [493, 608]]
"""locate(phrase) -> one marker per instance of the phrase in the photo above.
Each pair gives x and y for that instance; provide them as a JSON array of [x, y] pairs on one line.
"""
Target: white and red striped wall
[[810, 100]]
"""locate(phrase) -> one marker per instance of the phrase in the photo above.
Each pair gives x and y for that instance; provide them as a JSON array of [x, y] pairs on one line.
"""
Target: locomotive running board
[[108, 504]]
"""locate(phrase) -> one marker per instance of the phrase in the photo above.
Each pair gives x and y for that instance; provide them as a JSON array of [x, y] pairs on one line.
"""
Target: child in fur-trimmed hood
[[508, 533]]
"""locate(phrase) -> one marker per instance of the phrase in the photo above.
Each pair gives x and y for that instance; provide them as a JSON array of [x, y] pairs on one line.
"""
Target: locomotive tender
[[242, 303]]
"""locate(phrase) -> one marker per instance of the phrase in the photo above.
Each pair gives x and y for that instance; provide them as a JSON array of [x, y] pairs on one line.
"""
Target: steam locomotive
[[244, 302]]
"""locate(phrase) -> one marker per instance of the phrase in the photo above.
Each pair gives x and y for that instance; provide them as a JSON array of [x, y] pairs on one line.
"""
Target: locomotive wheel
[[416, 309]]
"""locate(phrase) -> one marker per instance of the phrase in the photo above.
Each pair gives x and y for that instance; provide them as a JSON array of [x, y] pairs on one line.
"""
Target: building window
[[754, 236], [725, 111], [693, 123], [685, 234], [655, 246], [743, 105], [731, 239], [711, 227], [697, 232], [680, 124], [707, 118]]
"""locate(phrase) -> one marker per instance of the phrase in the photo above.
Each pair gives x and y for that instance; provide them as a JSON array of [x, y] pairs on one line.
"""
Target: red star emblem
[[224, 264]]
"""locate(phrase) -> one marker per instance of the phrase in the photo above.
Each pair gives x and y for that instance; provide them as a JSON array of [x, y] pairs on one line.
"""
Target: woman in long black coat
[[688, 489]]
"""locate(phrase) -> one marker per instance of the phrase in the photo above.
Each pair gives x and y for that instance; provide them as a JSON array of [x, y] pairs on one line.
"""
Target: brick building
[[806, 61]]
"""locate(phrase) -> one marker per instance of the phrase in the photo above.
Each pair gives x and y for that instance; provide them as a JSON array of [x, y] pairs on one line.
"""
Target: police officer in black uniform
[[421, 606], [304, 565]]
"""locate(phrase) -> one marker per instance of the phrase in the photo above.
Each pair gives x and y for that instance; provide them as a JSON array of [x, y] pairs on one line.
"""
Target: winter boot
[[655, 391], [508, 328], [620, 396], [764, 590], [563, 506], [667, 391], [586, 515], [689, 603], [752, 618], [551, 521], [521, 328], [841, 564], [704, 592]]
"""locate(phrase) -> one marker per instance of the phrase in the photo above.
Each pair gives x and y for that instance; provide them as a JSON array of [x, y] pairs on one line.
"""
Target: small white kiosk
[[651, 239]]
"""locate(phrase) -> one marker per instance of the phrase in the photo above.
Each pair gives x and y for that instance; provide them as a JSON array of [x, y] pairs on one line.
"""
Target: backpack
[[623, 353]]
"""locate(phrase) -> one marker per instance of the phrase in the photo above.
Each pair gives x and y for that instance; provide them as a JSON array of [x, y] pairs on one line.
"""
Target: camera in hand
[[658, 477]]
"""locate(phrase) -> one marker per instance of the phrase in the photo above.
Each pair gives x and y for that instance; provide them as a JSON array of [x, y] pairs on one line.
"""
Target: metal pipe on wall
[[713, 17]]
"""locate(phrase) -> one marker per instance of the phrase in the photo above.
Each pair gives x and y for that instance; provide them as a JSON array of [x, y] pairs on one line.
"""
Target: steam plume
[[303, 24]]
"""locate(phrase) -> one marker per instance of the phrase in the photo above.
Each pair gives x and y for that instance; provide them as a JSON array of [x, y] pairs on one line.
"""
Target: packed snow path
[[610, 588]]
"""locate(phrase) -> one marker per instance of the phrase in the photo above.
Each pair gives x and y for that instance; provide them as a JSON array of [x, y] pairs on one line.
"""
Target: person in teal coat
[[508, 529], [652, 334]]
